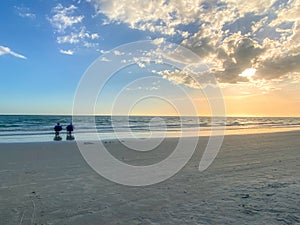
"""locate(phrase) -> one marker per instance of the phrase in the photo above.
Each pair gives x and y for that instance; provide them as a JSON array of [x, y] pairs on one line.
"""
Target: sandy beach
[[255, 179]]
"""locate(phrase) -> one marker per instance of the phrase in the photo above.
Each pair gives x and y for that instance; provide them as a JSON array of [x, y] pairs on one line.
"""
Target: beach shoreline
[[186, 133], [37, 128], [253, 180]]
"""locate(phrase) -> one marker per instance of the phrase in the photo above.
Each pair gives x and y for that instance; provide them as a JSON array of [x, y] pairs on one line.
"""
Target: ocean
[[39, 128]]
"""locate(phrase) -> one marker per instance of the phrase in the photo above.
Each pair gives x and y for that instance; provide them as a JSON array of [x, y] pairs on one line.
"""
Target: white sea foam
[[32, 128]]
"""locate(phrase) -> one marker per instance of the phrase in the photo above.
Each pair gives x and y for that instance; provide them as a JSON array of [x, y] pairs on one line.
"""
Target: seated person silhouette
[[70, 128], [57, 129]]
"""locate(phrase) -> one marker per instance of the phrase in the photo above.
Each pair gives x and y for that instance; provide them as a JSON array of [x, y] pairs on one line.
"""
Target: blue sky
[[46, 78], [252, 48]]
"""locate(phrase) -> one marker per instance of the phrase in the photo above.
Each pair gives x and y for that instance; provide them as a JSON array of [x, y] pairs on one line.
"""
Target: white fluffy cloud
[[66, 52], [255, 6], [64, 17], [76, 37], [155, 16], [5, 50], [179, 76], [69, 27]]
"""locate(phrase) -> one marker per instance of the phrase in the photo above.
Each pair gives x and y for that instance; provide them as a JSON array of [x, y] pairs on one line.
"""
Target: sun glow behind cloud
[[249, 72]]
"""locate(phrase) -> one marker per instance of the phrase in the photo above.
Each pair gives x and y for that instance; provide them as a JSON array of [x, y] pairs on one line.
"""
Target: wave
[[27, 126]]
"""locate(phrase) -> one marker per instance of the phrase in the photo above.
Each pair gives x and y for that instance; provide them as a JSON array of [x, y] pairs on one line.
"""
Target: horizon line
[[141, 115]]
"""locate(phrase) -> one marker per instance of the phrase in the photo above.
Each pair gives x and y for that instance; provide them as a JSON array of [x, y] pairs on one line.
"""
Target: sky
[[251, 48]]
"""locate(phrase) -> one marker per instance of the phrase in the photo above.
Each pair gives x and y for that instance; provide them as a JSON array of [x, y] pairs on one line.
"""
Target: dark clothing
[[70, 128], [58, 128]]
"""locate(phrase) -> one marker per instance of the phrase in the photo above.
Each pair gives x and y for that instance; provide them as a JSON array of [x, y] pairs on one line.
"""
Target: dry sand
[[255, 179]]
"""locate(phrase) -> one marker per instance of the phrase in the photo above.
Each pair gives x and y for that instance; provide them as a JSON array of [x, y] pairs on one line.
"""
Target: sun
[[249, 72]]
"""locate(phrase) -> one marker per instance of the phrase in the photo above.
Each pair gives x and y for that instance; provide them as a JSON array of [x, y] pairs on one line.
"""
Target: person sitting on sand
[[57, 129], [70, 128]]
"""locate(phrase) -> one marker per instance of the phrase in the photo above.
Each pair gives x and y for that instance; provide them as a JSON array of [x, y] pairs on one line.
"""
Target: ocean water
[[32, 128]]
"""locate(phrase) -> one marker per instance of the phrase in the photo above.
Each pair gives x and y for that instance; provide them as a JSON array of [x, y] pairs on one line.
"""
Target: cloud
[[156, 16], [278, 66], [70, 29], [236, 54], [64, 17], [288, 13], [71, 38], [75, 37], [94, 36], [104, 59], [158, 41], [118, 53], [66, 52], [25, 12], [102, 51], [244, 7], [143, 88], [180, 77], [230, 36], [5, 50]]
